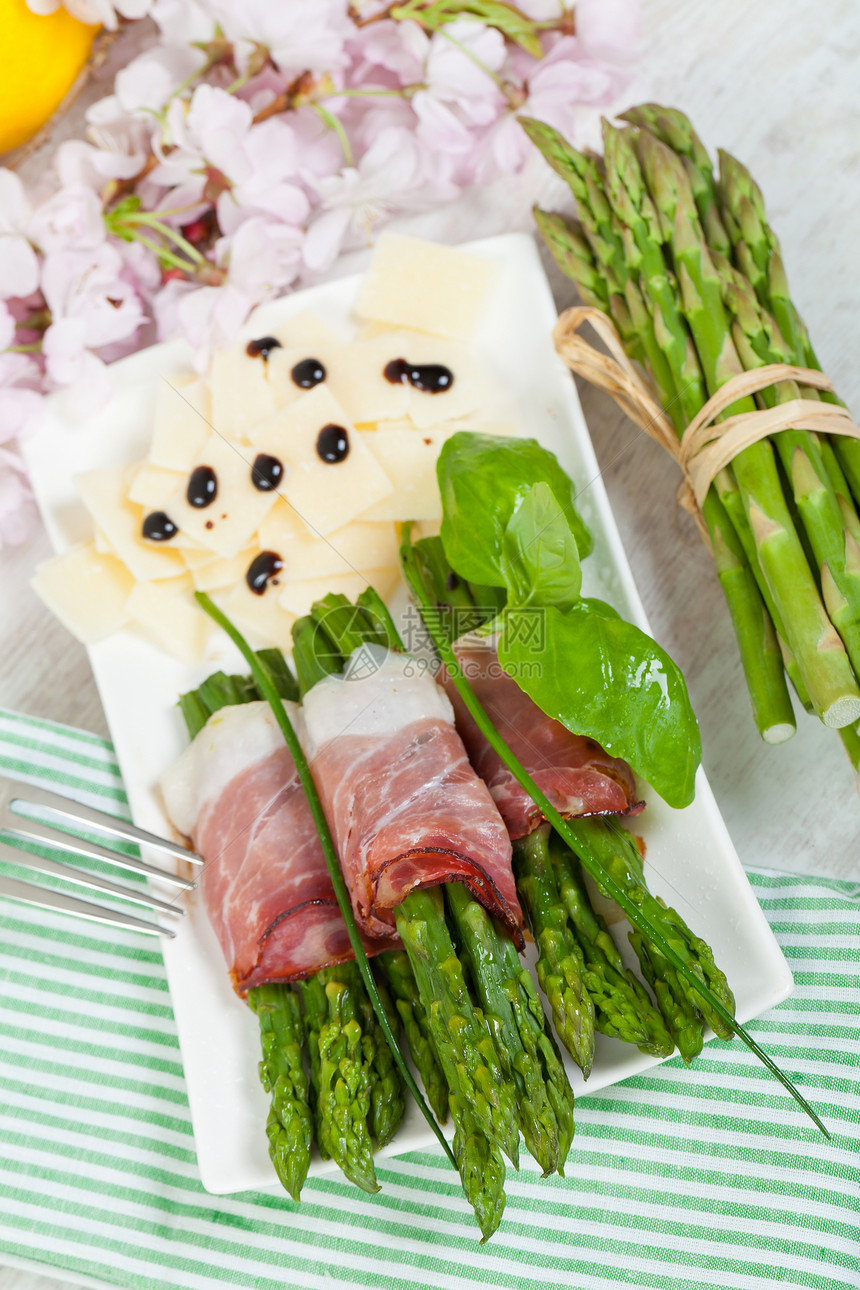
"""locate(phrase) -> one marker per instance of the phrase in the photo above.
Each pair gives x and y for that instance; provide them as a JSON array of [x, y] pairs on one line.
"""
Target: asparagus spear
[[622, 1007], [464, 1044], [398, 973], [479, 1162], [820, 655], [289, 1124], [480, 1165], [387, 1102], [617, 852], [341, 1072], [506, 1003], [560, 964]]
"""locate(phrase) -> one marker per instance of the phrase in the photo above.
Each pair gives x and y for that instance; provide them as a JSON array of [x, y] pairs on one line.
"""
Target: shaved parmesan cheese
[[263, 616], [182, 416], [104, 492], [87, 591], [227, 524], [151, 486], [218, 573], [245, 390], [297, 597], [354, 547], [306, 329], [409, 458], [432, 288], [325, 494], [170, 618], [356, 378]]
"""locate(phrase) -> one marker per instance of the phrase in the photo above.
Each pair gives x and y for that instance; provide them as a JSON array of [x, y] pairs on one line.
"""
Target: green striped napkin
[[677, 1179]]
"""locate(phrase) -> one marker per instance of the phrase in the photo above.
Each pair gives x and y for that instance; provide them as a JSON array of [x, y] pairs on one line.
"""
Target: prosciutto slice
[[236, 793], [574, 772], [405, 805]]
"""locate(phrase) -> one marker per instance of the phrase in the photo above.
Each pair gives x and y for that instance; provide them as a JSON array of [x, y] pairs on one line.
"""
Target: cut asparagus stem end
[[844, 712], [779, 733]]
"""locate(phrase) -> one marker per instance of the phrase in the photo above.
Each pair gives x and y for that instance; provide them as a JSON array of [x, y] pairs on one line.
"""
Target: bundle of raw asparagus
[[687, 267]]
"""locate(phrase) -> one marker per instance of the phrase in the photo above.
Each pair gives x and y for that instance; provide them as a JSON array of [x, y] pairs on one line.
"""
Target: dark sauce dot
[[308, 373], [261, 569], [266, 472], [430, 378], [202, 487], [159, 527], [332, 444], [262, 348]]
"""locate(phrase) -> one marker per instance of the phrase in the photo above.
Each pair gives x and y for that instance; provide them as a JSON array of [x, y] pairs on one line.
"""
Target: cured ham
[[405, 806], [236, 793], [574, 772]]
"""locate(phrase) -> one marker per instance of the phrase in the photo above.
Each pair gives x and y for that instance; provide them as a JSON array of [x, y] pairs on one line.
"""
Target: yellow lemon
[[40, 57]]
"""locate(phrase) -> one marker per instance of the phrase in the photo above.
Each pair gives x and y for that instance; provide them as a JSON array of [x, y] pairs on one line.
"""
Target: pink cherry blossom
[[391, 174], [215, 145], [149, 80], [88, 286], [304, 35], [400, 48], [183, 22], [18, 515], [69, 363], [460, 64], [556, 88], [19, 265], [71, 219], [609, 29]]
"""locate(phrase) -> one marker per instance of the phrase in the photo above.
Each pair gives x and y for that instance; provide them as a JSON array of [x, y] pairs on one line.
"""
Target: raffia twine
[[706, 447]]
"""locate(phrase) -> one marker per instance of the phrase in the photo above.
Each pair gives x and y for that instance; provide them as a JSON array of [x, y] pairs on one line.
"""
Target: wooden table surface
[[777, 84]]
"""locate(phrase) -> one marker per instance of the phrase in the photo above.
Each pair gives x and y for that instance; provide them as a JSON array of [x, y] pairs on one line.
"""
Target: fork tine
[[37, 831], [75, 811], [83, 878], [45, 898]]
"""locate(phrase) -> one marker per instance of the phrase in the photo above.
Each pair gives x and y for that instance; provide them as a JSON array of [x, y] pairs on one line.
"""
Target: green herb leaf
[[601, 676], [540, 560], [483, 479]]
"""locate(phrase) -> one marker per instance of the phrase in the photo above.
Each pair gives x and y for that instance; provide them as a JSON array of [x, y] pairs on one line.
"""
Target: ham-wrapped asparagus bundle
[[406, 808], [578, 777], [236, 793]]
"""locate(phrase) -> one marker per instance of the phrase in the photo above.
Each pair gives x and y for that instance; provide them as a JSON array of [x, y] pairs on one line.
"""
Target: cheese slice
[[245, 390], [306, 329], [218, 573], [469, 391], [227, 524], [151, 486], [281, 365], [418, 284], [170, 618], [409, 458], [297, 597], [326, 495], [181, 427], [86, 590], [261, 616], [356, 546], [104, 492]]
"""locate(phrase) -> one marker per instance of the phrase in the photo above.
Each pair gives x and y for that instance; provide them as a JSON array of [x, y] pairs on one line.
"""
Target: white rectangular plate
[[691, 862]]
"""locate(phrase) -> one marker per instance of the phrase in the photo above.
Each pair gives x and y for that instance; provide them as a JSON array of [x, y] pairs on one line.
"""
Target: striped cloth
[[677, 1179]]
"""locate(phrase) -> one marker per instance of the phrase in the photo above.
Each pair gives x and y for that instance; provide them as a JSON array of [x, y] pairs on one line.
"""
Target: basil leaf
[[603, 677], [539, 559], [483, 479]]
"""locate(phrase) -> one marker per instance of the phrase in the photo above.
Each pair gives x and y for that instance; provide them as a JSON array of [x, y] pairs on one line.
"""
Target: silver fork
[[16, 794]]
